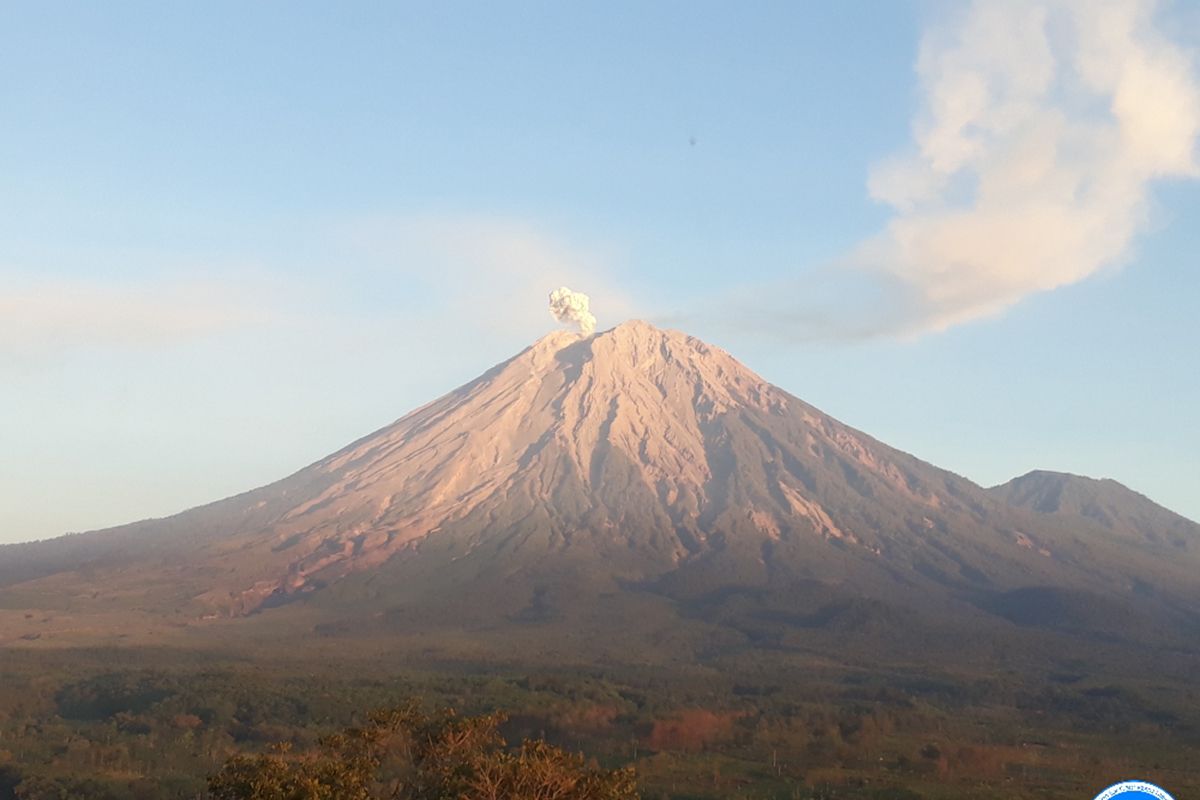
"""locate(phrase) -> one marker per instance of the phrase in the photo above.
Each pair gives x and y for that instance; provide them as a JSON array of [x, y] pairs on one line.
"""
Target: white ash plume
[[569, 306]]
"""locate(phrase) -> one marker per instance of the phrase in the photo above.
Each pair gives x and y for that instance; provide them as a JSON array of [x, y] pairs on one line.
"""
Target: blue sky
[[234, 237]]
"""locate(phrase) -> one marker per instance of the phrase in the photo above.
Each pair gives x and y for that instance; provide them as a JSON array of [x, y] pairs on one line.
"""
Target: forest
[[114, 724]]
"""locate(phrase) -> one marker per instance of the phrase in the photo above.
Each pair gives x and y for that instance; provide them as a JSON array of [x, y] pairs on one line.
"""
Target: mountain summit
[[632, 463], [1104, 502]]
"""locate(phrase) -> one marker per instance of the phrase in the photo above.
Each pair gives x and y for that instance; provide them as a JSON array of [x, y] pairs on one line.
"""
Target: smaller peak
[[1044, 474], [1054, 476], [1053, 480]]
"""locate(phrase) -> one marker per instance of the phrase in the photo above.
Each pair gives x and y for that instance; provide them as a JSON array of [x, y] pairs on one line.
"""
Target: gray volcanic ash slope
[[639, 464], [1103, 502]]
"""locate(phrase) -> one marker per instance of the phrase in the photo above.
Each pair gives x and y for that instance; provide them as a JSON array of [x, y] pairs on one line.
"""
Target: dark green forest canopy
[[118, 725]]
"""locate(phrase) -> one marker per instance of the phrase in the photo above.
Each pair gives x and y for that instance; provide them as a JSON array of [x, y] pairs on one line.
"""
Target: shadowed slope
[[1106, 503]]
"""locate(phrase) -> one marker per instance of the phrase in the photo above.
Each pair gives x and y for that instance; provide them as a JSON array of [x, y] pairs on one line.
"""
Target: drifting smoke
[[568, 306], [1043, 123]]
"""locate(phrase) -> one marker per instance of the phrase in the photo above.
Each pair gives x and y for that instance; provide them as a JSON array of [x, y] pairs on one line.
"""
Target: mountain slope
[[1106, 502], [632, 477]]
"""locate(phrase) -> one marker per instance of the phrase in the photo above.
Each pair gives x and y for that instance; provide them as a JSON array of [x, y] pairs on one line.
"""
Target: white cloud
[[39, 314], [1043, 125]]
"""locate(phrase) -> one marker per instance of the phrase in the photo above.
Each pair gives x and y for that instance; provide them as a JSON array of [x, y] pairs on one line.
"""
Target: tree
[[405, 754]]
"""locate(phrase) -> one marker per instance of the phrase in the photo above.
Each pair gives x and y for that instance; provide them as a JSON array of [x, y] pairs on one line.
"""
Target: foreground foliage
[[405, 754], [114, 724]]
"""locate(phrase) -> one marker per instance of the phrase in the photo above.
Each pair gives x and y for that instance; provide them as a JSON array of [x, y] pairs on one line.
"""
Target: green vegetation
[[406, 754], [127, 725]]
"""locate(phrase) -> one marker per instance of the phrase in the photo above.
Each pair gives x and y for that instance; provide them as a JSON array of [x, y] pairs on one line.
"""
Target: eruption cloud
[[569, 306], [1043, 124]]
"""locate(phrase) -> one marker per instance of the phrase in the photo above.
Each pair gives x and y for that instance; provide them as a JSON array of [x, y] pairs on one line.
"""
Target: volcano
[[633, 476]]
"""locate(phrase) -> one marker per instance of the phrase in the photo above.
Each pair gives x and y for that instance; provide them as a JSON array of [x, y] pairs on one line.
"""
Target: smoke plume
[[568, 306], [1043, 124]]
